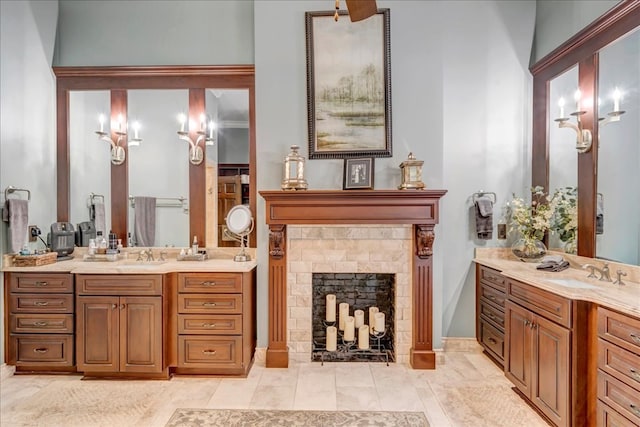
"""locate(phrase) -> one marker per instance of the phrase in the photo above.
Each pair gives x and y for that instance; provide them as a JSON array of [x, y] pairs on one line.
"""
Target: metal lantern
[[411, 173], [294, 171]]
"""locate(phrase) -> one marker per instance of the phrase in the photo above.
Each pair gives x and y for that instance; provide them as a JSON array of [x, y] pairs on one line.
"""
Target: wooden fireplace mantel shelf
[[416, 207]]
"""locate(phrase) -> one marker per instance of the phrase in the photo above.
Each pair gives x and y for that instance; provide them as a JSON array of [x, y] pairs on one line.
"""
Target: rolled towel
[[16, 212], [599, 214], [484, 217]]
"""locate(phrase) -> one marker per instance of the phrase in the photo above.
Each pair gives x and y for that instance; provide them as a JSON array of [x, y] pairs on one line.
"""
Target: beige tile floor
[[466, 389]]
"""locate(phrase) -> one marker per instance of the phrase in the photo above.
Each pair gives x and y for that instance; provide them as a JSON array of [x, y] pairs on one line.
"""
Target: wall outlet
[[34, 232]]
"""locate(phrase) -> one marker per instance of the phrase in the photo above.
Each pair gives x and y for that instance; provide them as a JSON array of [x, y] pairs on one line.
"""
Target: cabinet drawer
[[41, 323], [52, 350], [493, 277], [37, 283], [492, 295], [207, 303], [607, 417], [210, 282], [121, 284], [546, 304], [230, 324], [489, 312], [619, 363], [492, 339], [619, 329], [209, 352], [619, 396], [41, 303]]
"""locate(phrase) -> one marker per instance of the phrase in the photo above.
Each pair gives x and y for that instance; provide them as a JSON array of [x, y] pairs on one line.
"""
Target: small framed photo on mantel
[[358, 174]]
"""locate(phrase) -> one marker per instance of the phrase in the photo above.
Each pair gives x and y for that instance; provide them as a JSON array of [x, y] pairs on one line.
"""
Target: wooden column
[[277, 352], [421, 354], [119, 173], [197, 173]]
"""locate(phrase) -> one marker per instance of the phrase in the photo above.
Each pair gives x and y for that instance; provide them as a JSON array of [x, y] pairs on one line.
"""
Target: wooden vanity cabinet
[[216, 315], [618, 369], [490, 300], [40, 321], [120, 325], [544, 335]]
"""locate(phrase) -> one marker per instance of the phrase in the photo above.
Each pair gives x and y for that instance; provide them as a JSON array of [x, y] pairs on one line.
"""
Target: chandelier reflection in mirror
[[584, 137], [204, 132], [240, 224], [117, 151]]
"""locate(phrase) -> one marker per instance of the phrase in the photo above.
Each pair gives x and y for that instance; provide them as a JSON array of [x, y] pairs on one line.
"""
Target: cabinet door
[[519, 352], [141, 334], [97, 334], [550, 391]]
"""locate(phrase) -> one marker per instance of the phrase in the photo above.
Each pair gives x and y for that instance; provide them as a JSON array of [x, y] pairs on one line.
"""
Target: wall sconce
[[584, 137], [613, 116], [117, 151], [196, 155]]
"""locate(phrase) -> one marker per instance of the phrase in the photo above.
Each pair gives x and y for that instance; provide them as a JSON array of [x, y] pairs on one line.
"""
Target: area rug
[[263, 418]]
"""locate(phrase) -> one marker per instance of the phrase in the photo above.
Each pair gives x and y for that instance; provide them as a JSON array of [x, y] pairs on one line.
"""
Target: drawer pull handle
[[635, 409], [114, 306], [209, 304], [41, 303], [634, 374], [40, 350], [208, 325], [208, 283], [492, 341], [41, 283], [491, 316], [41, 324], [209, 352], [635, 338], [491, 297]]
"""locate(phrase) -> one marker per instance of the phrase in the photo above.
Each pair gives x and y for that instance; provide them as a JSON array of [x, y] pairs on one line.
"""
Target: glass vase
[[529, 250]]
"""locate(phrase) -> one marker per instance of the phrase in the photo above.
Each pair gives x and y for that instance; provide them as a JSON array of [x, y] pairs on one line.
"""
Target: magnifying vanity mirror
[[187, 196]]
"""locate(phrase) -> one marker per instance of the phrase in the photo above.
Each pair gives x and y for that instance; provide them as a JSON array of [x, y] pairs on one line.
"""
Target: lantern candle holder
[[411, 174], [294, 171]]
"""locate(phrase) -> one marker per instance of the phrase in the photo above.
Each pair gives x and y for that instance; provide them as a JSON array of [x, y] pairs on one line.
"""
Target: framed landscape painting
[[348, 86]]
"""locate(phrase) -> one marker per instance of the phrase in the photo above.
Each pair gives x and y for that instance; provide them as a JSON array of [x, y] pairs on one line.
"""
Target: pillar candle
[[372, 314], [363, 337], [359, 316], [380, 322], [343, 313], [331, 308], [349, 329], [332, 338]]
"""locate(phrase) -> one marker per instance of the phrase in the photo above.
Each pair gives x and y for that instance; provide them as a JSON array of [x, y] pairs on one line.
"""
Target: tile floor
[[466, 389]]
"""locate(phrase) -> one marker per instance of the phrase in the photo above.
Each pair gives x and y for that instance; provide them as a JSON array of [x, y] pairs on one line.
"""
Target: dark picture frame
[[358, 174], [348, 85]]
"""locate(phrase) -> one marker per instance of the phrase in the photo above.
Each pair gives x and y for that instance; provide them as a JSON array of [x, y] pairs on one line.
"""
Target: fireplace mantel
[[416, 207]]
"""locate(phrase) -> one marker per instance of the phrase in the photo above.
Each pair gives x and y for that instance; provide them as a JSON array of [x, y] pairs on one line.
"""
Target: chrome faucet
[[150, 256], [619, 281], [604, 271]]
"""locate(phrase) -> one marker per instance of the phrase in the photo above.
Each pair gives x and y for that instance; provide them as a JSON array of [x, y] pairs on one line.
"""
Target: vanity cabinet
[[490, 300], [40, 313], [120, 328], [544, 332], [618, 369], [216, 323]]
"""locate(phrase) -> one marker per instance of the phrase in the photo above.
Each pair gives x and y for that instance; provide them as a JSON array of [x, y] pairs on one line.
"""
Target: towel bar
[[481, 193], [11, 189]]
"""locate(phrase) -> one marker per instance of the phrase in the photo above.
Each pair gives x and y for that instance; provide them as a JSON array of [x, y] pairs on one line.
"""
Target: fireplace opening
[[353, 317]]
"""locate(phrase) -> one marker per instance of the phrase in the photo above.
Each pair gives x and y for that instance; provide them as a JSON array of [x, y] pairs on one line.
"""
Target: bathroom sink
[[140, 264], [572, 283]]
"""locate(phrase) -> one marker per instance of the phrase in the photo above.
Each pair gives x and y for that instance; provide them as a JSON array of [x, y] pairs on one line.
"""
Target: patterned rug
[[263, 418]]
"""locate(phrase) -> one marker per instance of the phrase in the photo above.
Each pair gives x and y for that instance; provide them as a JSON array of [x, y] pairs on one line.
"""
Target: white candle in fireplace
[[332, 338], [363, 337], [331, 308], [379, 322], [372, 315], [359, 316], [343, 313], [349, 329]]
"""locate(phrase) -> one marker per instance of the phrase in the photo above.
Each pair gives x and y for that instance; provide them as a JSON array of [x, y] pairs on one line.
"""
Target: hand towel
[[599, 214], [99, 218], [145, 220], [16, 213], [553, 266], [484, 217]]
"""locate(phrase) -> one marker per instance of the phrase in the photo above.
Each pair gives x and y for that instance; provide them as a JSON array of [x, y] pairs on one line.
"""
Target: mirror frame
[[581, 49], [118, 80]]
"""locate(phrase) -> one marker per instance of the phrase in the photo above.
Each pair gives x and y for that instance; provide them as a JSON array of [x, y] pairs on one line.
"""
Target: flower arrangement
[[565, 219], [531, 221]]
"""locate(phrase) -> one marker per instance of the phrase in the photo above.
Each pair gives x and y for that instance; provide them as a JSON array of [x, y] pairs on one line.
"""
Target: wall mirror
[[583, 50], [618, 195], [159, 166]]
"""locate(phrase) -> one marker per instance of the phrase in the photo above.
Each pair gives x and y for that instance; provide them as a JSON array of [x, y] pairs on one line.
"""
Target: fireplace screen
[[353, 317]]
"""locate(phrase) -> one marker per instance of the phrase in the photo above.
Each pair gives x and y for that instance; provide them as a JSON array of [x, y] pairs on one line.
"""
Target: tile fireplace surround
[[324, 231]]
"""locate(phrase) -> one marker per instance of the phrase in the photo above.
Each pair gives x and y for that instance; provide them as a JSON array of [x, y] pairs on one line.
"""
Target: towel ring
[[481, 193], [11, 189]]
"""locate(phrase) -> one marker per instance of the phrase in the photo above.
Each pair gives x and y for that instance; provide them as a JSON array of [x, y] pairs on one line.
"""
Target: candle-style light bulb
[[212, 126], [120, 121], [616, 99], [576, 97], [101, 120], [182, 119], [561, 105], [203, 122], [136, 128]]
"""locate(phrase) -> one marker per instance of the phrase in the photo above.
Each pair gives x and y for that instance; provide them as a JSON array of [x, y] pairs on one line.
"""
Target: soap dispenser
[[194, 245]]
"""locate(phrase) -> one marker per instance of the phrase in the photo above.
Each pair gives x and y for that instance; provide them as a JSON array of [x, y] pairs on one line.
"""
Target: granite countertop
[[220, 260], [625, 298]]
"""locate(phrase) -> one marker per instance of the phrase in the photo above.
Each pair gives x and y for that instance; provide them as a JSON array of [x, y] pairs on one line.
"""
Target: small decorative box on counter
[[34, 260]]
